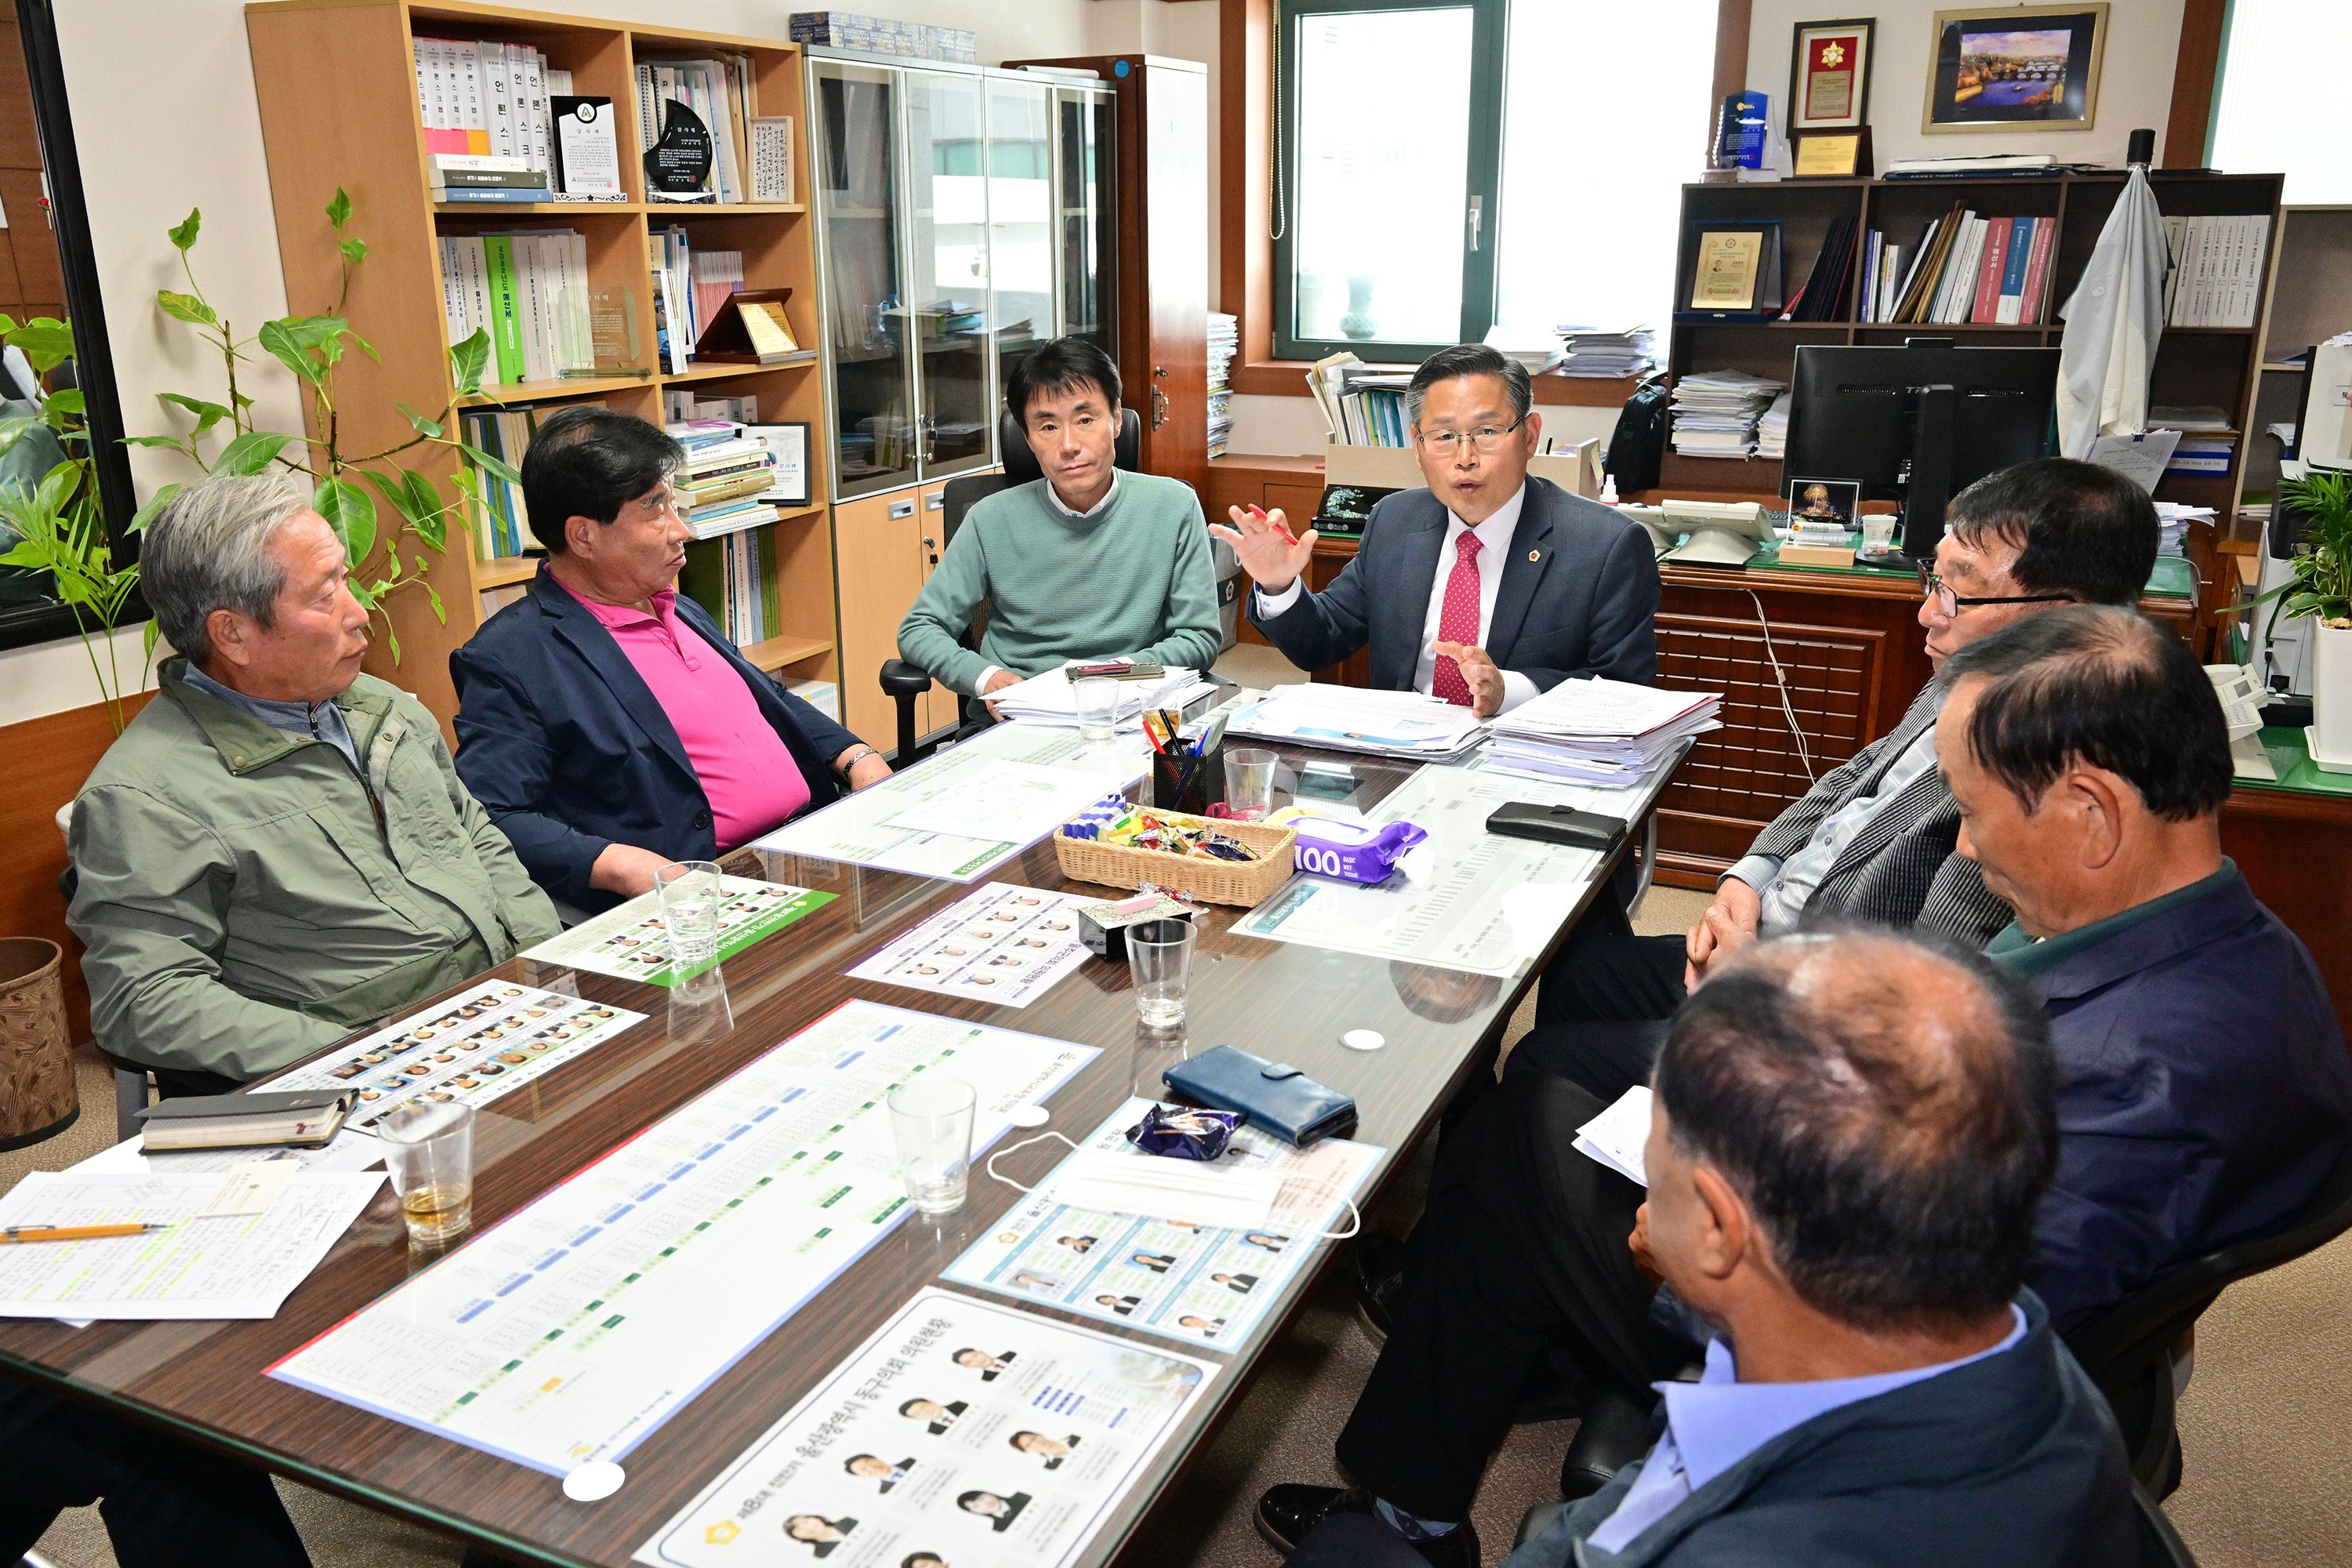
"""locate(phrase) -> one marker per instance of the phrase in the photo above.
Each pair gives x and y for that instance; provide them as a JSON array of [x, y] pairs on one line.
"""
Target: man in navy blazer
[[1485, 588], [603, 720]]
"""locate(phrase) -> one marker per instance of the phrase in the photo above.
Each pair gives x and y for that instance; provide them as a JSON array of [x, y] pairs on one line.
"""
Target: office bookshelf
[[338, 89], [2216, 366]]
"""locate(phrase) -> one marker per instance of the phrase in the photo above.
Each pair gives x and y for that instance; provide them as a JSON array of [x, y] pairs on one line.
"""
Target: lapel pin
[[1535, 554]]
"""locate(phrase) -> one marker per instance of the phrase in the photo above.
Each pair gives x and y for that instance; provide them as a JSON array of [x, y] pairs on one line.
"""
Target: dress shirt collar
[[665, 607], [1096, 510], [1495, 533], [325, 722], [1719, 1421]]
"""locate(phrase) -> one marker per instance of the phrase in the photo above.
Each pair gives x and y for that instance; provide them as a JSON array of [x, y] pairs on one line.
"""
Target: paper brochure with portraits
[[630, 941], [573, 1328], [963, 1435], [1174, 1276], [1003, 943], [477, 1045]]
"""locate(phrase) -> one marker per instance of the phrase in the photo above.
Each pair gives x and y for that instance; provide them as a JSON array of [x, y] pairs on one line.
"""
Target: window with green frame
[[1444, 166]]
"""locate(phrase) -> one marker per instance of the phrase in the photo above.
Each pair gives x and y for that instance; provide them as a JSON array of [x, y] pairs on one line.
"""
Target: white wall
[[166, 118], [2135, 80]]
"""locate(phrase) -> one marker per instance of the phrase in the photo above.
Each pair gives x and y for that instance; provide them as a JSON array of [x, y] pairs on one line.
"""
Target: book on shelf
[[681, 404], [721, 94], [1964, 269], [825, 696], [501, 523], [2214, 274], [529, 289], [491, 103], [1822, 294], [734, 578]]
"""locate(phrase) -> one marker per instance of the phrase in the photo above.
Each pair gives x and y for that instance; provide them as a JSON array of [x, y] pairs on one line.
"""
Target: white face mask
[[1219, 1195]]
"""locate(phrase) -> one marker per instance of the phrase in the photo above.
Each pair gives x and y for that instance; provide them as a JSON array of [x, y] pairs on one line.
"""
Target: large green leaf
[[351, 512], [14, 430], [354, 250], [339, 209], [425, 510], [440, 611], [186, 308], [494, 466], [47, 341], [422, 426], [251, 452], [155, 503], [183, 234], [207, 413], [70, 401], [467, 360], [278, 339]]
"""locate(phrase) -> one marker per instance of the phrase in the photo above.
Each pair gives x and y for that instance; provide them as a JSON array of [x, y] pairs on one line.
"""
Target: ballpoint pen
[[1259, 512], [16, 1233]]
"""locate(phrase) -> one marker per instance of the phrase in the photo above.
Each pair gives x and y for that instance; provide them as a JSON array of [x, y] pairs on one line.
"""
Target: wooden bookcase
[[2217, 366], [2310, 301], [338, 94]]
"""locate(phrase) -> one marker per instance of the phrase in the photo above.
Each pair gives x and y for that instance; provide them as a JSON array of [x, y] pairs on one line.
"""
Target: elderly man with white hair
[[277, 850]]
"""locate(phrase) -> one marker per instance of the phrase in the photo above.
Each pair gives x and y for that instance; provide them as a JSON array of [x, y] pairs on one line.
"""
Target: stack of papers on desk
[[2175, 518], [1606, 733], [1352, 718], [1611, 355], [1716, 411], [1772, 430], [1049, 698]]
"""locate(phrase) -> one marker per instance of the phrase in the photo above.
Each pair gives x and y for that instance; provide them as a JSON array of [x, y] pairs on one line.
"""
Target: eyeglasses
[[1951, 604], [1485, 438]]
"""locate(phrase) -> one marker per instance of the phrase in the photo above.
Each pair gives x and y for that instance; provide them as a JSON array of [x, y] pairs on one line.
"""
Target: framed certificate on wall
[[790, 446], [1829, 75]]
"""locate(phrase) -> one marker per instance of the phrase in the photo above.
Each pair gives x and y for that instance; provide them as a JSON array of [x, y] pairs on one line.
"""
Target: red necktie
[[1458, 620]]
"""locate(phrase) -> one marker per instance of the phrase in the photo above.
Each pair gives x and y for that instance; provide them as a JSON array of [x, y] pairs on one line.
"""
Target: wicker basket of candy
[[1217, 861]]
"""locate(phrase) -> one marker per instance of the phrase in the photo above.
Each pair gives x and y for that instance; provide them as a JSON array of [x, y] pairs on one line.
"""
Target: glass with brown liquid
[[429, 1150]]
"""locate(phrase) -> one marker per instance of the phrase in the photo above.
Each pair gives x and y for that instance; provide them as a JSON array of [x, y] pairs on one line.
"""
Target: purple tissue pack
[[1353, 851]]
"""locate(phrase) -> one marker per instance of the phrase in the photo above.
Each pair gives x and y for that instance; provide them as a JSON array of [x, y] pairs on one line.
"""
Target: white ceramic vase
[[2330, 735]]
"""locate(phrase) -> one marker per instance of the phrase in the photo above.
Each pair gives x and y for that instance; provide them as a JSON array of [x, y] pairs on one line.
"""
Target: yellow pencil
[[71, 1232]]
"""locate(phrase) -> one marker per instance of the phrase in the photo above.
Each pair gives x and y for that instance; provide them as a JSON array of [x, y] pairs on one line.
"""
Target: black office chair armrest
[[900, 679]]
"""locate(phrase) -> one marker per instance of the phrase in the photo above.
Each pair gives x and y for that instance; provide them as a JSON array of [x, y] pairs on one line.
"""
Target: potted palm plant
[[2321, 588]]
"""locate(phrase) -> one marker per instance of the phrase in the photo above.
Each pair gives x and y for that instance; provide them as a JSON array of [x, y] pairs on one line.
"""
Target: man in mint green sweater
[[1086, 563]]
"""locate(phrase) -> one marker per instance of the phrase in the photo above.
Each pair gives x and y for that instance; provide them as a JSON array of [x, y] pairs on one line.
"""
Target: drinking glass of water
[[1098, 703], [428, 1147], [690, 897], [1160, 957], [931, 1119]]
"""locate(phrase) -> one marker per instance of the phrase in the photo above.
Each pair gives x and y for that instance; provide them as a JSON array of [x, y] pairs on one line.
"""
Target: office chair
[[2128, 1349], [904, 682]]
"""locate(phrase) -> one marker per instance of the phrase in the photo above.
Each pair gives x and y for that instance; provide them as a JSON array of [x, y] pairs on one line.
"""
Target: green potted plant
[[345, 487], [2321, 588]]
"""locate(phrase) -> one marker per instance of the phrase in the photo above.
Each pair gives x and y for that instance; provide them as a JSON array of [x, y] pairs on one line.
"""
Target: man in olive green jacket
[[277, 850]]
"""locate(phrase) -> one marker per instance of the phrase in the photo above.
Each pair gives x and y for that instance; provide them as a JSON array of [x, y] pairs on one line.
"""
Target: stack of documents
[[1527, 347], [1607, 732], [1772, 430], [1611, 355], [1352, 718], [1716, 411], [2175, 518], [1048, 698]]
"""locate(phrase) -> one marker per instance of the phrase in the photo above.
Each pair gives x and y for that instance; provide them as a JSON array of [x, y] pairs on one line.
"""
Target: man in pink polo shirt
[[604, 721]]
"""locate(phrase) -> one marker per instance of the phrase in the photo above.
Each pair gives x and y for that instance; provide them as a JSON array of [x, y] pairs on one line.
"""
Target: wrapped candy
[[1182, 1133]]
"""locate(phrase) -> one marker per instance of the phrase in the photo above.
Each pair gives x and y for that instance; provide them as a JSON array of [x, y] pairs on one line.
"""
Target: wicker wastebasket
[[39, 1098]]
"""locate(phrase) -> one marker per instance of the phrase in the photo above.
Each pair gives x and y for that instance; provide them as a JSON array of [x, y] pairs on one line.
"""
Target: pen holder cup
[[1182, 782]]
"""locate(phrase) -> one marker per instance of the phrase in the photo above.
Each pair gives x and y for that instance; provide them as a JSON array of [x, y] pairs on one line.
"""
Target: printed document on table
[[475, 1047], [1463, 899], [1002, 943], [963, 1433], [1185, 1281], [1351, 719], [1017, 802], [573, 1328], [240, 1266], [863, 828], [629, 940], [347, 1150]]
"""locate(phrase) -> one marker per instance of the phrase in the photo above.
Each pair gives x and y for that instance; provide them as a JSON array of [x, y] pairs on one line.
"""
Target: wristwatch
[[854, 758]]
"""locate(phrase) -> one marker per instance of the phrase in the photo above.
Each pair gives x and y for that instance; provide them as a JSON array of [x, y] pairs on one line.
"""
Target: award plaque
[[1728, 267], [1833, 155], [678, 167]]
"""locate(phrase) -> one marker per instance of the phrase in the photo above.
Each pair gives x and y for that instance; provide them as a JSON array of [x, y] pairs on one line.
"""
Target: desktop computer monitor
[[1918, 422]]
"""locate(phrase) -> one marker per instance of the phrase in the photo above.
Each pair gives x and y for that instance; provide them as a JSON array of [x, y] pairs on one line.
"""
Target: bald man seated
[[1848, 1139]]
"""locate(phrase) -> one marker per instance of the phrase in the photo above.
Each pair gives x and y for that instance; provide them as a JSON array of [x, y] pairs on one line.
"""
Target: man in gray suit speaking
[[1485, 588]]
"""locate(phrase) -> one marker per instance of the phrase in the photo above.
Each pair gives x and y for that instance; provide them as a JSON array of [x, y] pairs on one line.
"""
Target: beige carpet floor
[[2268, 1485]]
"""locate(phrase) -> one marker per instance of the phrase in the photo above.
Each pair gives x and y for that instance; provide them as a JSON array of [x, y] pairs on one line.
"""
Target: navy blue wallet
[[1277, 1097]]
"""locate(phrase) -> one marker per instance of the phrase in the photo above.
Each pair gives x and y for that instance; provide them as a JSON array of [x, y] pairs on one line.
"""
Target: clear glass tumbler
[[1160, 957], [1097, 701], [690, 896], [930, 1121], [1249, 781], [428, 1147]]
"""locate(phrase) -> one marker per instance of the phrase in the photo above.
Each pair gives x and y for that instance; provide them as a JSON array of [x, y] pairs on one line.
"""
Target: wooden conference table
[[205, 1379]]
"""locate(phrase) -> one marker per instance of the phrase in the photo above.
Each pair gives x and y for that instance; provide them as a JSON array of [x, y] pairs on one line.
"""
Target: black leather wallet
[[1558, 825], [1277, 1097]]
